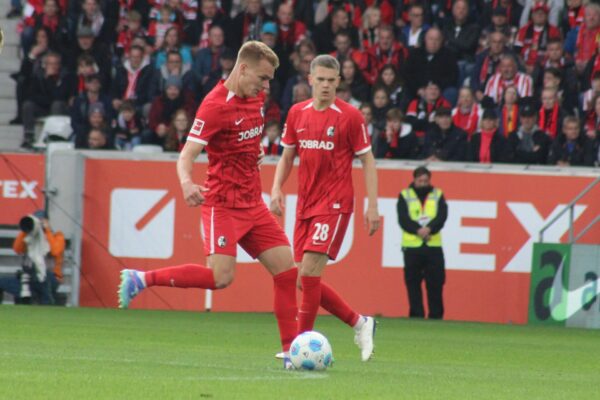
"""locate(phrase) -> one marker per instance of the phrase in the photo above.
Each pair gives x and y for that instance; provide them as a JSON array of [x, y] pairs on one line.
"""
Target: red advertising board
[[134, 217], [21, 184]]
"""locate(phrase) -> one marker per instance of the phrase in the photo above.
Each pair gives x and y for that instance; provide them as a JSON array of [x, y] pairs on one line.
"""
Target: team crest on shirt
[[330, 131], [222, 242]]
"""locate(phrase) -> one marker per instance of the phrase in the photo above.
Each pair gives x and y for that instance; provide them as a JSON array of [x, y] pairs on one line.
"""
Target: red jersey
[[326, 142], [231, 128]]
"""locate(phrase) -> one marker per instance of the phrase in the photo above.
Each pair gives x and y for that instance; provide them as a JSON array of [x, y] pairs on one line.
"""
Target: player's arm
[[282, 172], [372, 214], [286, 162], [192, 193]]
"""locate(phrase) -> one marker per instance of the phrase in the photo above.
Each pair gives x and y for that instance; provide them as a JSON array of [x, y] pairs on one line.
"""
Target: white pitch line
[[284, 374]]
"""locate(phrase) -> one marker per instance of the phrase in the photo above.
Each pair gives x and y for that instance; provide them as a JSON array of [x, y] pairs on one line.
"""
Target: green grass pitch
[[62, 353]]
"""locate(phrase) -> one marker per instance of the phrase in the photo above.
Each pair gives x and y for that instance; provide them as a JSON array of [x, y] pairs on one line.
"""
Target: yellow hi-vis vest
[[422, 214]]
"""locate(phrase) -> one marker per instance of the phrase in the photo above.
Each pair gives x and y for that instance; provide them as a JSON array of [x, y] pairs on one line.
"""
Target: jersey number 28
[[321, 232]]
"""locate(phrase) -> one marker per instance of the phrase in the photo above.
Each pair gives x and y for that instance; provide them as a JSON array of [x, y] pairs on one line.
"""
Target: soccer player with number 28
[[326, 133]]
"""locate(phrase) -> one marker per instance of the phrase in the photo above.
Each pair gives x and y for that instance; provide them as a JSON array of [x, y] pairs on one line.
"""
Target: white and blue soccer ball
[[311, 351]]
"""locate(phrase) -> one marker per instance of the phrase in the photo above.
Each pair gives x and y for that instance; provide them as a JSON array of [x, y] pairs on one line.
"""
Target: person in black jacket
[[462, 38], [133, 81], [398, 140], [488, 145], [324, 32], [443, 140], [571, 147], [87, 43], [433, 62], [422, 213], [48, 93], [247, 25], [529, 144], [80, 109]]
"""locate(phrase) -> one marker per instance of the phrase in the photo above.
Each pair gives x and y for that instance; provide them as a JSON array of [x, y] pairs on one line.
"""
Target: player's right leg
[[310, 272], [324, 235], [220, 244]]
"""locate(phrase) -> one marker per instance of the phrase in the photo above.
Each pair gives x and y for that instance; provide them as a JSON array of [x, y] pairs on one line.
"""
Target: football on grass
[[311, 351]]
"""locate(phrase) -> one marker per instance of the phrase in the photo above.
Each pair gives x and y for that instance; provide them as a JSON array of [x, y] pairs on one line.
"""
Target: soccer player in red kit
[[326, 133], [229, 124]]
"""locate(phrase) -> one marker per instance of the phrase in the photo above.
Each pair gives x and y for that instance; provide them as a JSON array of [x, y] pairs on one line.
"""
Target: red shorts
[[255, 229], [320, 234]]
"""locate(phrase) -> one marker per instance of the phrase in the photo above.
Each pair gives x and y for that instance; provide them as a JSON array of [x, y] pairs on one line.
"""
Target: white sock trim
[[361, 321], [142, 276]]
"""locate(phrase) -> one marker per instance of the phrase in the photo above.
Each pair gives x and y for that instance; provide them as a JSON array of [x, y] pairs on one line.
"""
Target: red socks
[[284, 306], [182, 276], [335, 305], [311, 298]]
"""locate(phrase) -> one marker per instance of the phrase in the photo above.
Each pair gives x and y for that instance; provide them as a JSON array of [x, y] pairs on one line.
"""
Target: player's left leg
[[279, 262]]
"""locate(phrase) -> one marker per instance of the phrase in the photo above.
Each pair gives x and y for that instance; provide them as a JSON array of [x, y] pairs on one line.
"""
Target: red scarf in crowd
[[586, 43], [510, 118], [50, 22], [485, 152], [80, 83], [548, 121], [131, 84], [488, 68], [467, 122], [576, 16], [592, 121]]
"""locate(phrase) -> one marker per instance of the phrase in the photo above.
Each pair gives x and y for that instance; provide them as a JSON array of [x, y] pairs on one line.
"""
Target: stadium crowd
[[484, 81]]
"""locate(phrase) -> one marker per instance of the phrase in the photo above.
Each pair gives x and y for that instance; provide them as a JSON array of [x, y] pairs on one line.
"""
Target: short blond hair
[[254, 51]]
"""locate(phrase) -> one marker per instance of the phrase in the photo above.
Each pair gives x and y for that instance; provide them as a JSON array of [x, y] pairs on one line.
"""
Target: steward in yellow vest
[[422, 212]]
